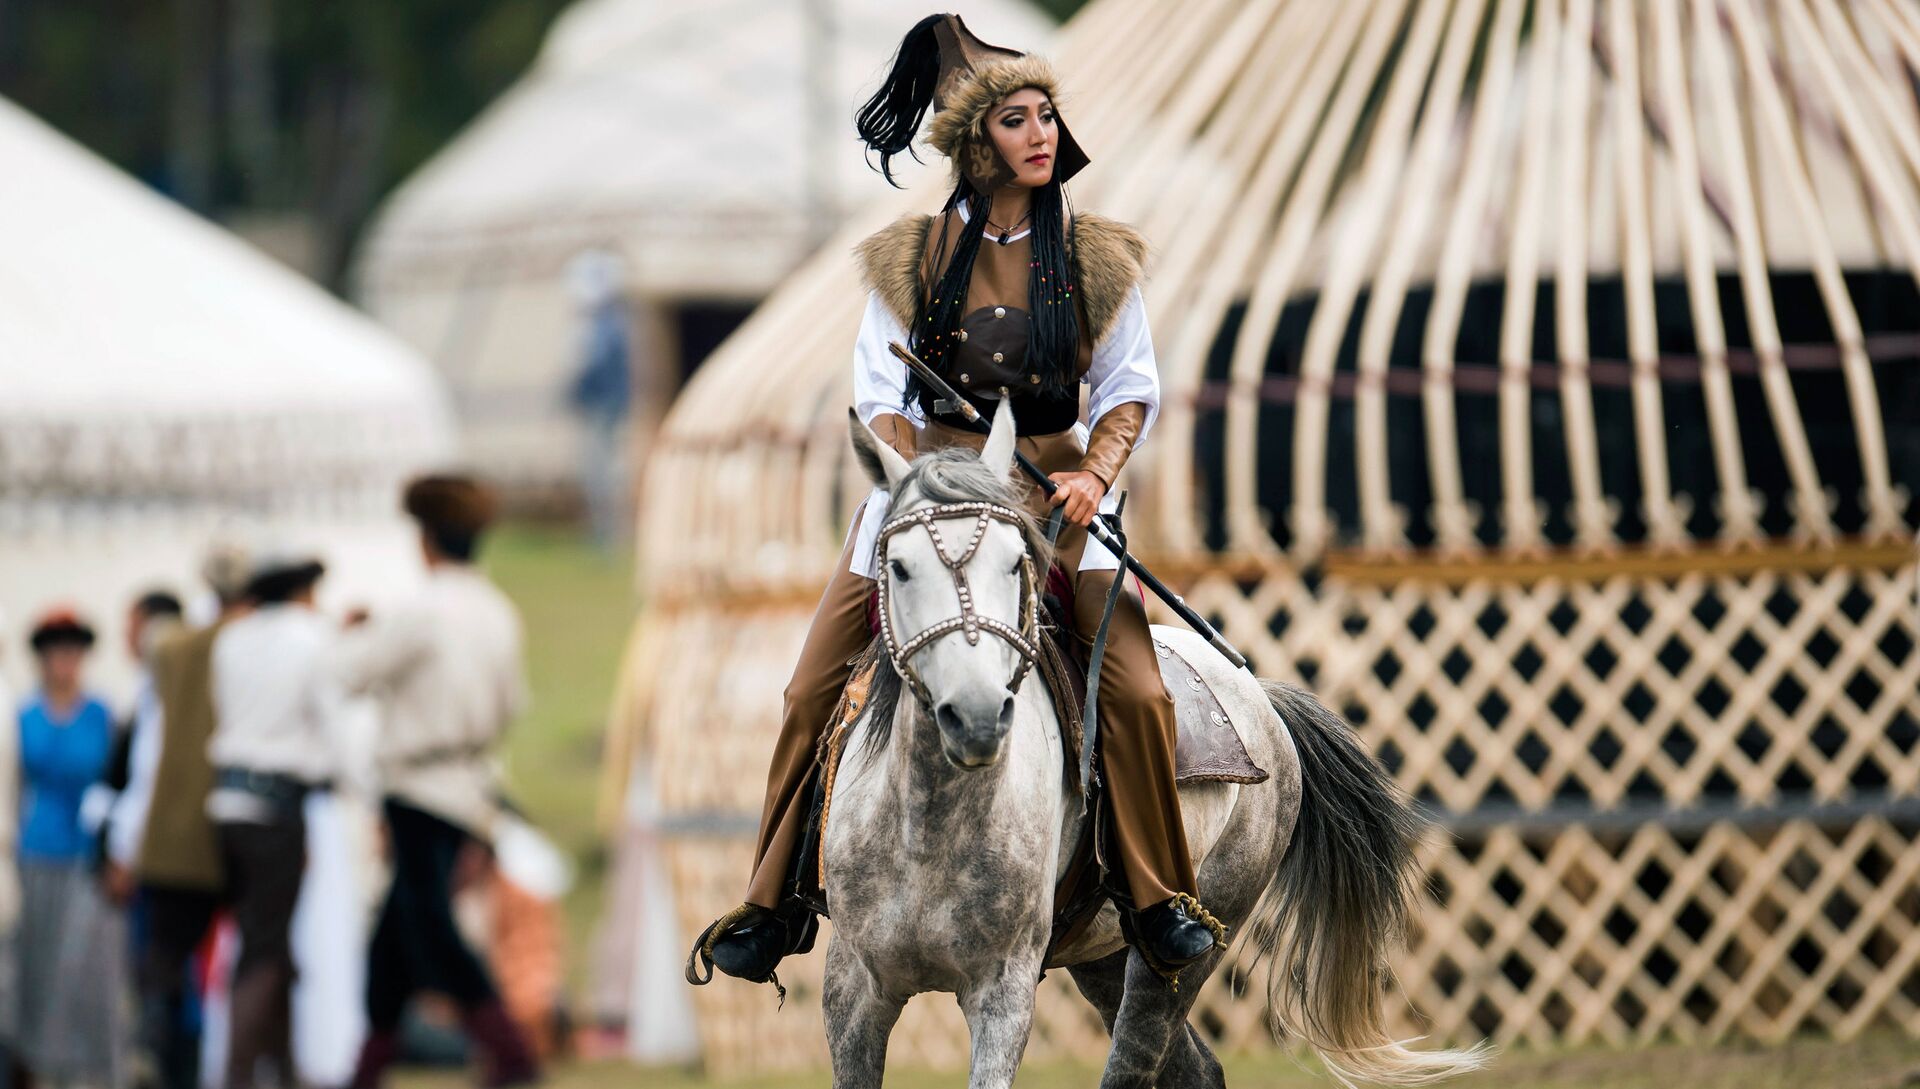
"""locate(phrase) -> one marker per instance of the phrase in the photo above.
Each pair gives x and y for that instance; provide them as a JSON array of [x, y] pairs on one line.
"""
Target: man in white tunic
[[277, 713], [446, 669]]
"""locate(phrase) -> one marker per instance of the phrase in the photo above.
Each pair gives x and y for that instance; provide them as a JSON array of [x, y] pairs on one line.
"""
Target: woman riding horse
[[1005, 290]]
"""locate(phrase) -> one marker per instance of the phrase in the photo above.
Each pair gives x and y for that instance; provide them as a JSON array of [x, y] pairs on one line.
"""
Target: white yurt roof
[[712, 143], [163, 381]]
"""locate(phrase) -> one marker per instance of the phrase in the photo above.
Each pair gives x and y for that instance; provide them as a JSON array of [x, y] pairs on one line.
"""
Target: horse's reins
[[969, 623]]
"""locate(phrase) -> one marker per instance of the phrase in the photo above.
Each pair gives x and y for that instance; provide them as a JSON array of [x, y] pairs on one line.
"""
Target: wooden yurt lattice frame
[[1543, 389]]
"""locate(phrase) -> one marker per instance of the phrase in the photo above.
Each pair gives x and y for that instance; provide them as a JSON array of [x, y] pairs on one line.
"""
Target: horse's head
[[959, 586]]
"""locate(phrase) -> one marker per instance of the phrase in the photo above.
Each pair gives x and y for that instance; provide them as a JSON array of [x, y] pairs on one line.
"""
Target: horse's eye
[[899, 569], [1016, 565]]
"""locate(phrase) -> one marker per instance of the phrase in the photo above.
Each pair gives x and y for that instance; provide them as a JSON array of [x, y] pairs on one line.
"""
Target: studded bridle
[[969, 623]]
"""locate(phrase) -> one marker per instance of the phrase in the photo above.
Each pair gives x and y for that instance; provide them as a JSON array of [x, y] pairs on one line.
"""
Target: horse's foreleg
[[1188, 1063], [999, 1014], [1150, 1038], [1191, 1064], [859, 1018]]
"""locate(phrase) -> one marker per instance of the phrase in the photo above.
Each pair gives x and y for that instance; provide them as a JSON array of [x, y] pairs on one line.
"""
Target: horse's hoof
[[1174, 938]]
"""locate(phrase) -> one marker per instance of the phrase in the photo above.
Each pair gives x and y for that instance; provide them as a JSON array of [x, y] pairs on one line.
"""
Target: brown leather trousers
[[1147, 842]]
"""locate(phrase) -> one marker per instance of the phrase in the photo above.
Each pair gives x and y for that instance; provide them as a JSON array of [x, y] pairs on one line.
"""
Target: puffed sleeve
[[1124, 391], [880, 380]]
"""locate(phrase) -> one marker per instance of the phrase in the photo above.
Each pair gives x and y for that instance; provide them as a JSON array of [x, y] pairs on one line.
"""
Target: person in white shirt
[[446, 670], [277, 709]]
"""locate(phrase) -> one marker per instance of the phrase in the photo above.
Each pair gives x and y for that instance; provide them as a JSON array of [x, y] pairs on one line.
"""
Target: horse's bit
[[969, 622]]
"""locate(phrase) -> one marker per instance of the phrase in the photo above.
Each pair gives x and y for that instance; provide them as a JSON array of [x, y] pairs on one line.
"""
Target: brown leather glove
[[1111, 442], [897, 432]]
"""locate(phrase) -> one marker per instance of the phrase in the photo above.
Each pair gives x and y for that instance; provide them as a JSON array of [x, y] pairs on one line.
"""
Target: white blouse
[[1123, 369]]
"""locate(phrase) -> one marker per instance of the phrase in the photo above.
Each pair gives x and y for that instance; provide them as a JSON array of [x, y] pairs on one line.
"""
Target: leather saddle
[[1208, 748]]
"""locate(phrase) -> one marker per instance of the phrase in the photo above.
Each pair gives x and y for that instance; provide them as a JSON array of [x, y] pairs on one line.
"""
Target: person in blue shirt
[[70, 947], [66, 736]]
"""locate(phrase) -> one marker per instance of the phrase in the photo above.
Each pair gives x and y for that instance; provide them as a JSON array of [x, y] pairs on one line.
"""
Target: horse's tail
[[1340, 902]]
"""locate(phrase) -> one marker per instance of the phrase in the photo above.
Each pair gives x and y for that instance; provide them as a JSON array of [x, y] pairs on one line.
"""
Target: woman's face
[[1026, 135]]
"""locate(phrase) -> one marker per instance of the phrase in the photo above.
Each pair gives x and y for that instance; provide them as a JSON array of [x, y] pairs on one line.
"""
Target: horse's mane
[[949, 475], [957, 475]]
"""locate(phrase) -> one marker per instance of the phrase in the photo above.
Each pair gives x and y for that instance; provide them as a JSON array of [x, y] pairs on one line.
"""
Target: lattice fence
[[1675, 806]]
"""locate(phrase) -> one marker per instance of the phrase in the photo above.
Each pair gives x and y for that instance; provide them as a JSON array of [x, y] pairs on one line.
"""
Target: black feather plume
[[888, 122]]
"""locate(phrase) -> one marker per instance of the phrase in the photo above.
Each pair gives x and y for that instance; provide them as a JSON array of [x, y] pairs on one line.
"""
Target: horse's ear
[[998, 454], [883, 464]]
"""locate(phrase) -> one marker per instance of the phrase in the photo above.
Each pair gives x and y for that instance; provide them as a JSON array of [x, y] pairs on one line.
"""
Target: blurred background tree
[[288, 121], [291, 116]]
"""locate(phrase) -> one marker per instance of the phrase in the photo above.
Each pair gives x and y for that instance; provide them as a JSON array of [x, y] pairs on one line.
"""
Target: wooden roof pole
[[1776, 128], [1810, 517], [1453, 522], [1274, 285], [1520, 510], [1739, 517], [1361, 224], [1247, 531], [1592, 520], [1664, 525], [1425, 176], [1207, 278]]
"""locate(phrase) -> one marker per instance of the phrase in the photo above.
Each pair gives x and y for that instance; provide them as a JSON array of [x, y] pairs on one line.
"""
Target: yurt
[[1544, 392], [702, 147], [161, 384]]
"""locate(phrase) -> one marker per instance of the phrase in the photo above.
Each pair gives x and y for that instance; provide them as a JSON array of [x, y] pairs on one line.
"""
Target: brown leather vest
[[993, 351]]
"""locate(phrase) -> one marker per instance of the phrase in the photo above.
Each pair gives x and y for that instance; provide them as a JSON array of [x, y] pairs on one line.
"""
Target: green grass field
[[578, 605], [1883, 1061]]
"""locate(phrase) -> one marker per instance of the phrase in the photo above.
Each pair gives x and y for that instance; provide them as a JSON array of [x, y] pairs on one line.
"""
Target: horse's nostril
[[1006, 710], [948, 719]]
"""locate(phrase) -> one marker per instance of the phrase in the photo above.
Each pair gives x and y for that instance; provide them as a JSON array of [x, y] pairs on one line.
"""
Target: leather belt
[[271, 786]]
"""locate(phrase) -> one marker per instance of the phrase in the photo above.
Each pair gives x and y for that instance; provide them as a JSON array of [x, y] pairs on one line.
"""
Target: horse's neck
[[932, 795], [936, 801]]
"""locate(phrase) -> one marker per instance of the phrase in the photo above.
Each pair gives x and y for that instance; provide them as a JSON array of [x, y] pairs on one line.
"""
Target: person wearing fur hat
[[446, 669], [1006, 288]]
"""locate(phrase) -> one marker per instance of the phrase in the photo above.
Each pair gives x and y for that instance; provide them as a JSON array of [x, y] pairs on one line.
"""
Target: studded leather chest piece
[[993, 351]]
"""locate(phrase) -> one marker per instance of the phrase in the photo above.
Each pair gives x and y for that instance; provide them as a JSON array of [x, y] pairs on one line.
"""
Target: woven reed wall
[[1670, 805]]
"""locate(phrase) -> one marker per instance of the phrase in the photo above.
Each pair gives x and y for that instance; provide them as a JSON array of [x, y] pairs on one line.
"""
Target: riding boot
[[1175, 933], [753, 948]]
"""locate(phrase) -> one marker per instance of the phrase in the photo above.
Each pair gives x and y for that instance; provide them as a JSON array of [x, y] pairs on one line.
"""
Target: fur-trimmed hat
[[450, 503], [943, 65]]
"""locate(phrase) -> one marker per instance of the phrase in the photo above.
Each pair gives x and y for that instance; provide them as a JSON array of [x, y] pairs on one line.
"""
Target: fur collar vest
[[1108, 256]]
